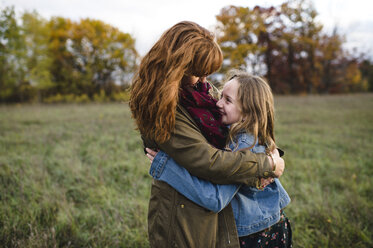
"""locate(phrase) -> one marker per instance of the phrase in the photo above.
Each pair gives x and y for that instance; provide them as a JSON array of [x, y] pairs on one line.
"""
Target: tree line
[[288, 46], [62, 60], [79, 61]]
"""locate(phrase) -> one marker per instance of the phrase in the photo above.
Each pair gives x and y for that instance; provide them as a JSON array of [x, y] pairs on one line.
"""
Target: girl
[[183, 56], [247, 107]]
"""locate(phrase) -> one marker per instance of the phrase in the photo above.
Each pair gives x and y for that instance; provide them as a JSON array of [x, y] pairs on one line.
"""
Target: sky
[[146, 20]]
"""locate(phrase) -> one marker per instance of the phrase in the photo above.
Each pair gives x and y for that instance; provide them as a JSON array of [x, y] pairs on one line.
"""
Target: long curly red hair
[[184, 49]]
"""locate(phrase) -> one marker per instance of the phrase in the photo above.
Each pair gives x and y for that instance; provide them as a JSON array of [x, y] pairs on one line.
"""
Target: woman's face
[[192, 80], [228, 104]]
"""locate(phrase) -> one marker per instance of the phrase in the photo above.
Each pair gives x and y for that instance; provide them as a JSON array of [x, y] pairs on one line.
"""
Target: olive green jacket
[[175, 221]]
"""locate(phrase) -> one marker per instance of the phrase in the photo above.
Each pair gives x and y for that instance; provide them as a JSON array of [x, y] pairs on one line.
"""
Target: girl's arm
[[214, 197], [206, 194], [189, 148]]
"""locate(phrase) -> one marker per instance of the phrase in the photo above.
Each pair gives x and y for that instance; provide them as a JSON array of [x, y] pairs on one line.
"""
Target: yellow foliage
[[101, 97]]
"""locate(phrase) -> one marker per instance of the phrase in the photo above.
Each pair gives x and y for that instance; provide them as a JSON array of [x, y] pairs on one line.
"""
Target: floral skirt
[[279, 235]]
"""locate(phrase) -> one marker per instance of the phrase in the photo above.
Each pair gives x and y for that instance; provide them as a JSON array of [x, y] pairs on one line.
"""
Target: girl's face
[[228, 104]]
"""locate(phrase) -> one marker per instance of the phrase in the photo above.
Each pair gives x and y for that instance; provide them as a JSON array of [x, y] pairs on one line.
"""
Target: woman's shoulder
[[183, 115]]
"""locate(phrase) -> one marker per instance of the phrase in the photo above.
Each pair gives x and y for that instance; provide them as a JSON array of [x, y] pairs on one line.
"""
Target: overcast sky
[[146, 20]]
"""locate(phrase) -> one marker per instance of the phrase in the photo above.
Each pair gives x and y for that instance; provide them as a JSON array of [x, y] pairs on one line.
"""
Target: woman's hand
[[150, 154], [279, 170]]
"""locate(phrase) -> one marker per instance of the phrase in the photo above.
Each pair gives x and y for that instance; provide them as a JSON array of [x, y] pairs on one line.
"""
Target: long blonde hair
[[257, 108], [184, 49]]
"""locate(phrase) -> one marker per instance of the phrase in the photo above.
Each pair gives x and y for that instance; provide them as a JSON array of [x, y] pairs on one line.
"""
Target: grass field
[[76, 176]]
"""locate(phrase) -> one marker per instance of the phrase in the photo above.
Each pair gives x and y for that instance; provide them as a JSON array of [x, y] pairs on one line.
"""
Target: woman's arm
[[214, 197], [189, 148]]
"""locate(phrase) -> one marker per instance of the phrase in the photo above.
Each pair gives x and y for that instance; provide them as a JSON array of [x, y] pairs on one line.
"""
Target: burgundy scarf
[[202, 107]]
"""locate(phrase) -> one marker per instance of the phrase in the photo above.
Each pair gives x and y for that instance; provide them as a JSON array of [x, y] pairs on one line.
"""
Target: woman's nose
[[202, 79], [218, 104]]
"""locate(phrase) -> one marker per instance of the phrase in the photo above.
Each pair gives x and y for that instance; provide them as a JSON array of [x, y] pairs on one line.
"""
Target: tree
[[366, 68], [12, 55], [38, 57], [62, 66], [90, 56], [103, 55], [302, 35], [237, 30]]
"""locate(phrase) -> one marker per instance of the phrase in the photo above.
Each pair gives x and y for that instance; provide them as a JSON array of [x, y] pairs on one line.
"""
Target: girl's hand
[[150, 154], [279, 162]]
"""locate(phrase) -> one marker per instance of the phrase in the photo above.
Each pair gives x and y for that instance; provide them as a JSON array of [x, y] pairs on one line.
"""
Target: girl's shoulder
[[245, 140]]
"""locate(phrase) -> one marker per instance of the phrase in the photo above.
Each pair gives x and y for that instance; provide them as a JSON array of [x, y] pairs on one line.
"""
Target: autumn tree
[[238, 30], [89, 56], [38, 57], [301, 34], [287, 46], [43, 58], [103, 55], [62, 61]]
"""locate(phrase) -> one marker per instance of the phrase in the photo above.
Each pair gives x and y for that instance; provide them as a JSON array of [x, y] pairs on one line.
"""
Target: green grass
[[328, 142], [71, 176], [76, 175]]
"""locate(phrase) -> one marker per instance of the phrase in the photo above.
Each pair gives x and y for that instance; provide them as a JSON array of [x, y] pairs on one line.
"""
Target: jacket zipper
[[226, 227]]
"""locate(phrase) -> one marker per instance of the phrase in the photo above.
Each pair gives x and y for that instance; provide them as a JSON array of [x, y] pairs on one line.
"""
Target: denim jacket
[[254, 210]]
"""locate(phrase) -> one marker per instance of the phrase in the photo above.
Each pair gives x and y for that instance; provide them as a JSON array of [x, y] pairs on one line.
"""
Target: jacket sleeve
[[214, 197], [189, 148]]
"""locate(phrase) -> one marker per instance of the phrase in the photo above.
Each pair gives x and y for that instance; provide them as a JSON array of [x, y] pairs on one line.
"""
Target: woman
[[185, 54]]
